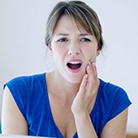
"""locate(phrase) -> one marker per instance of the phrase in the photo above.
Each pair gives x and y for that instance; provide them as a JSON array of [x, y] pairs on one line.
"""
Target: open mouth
[[74, 65]]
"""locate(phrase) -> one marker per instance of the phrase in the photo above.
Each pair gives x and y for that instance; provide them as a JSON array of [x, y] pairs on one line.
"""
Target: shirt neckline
[[50, 111]]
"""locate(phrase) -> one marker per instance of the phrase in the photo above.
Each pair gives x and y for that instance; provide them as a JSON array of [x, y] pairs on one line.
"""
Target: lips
[[74, 65]]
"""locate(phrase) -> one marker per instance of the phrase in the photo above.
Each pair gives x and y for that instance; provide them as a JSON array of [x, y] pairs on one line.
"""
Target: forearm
[[84, 126]]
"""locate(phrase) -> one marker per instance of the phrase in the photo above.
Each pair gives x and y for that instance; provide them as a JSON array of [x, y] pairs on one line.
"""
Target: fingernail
[[93, 63], [86, 76], [88, 67]]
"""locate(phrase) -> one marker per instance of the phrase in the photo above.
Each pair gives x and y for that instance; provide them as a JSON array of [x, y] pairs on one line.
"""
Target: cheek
[[58, 53], [90, 52]]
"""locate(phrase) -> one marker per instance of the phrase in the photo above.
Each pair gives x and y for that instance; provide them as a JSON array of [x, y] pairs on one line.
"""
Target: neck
[[62, 86]]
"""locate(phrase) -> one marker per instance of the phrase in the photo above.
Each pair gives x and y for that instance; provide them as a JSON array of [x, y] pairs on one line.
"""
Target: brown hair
[[81, 13]]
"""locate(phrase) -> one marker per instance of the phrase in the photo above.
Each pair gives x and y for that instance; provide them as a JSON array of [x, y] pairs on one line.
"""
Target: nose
[[74, 49]]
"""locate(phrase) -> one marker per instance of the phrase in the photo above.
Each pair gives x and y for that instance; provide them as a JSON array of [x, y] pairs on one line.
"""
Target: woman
[[70, 101]]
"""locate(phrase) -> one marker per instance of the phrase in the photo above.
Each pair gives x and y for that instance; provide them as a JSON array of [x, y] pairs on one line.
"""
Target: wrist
[[81, 116], [84, 125]]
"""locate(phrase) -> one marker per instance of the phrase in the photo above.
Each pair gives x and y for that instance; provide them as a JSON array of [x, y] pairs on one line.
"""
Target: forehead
[[68, 23]]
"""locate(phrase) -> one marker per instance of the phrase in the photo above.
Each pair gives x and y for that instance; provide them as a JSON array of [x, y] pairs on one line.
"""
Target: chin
[[74, 80]]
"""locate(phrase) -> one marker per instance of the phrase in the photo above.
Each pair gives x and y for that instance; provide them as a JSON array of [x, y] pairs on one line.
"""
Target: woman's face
[[72, 48]]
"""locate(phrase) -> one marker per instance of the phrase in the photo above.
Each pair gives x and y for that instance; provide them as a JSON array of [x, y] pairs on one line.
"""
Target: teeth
[[75, 62]]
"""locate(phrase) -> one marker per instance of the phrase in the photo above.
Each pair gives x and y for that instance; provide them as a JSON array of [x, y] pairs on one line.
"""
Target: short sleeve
[[18, 88], [120, 102]]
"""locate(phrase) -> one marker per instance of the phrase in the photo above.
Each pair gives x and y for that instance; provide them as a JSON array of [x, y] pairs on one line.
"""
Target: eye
[[85, 40], [62, 40]]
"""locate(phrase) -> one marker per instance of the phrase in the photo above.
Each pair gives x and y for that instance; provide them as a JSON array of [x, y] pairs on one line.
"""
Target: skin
[[76, 98]]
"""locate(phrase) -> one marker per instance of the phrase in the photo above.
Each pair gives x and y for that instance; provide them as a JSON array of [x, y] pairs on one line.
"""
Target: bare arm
[[12, 120], [84, 126], [116, 128]]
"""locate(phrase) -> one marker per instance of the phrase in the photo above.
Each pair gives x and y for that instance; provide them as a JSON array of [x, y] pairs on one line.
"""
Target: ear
[[50, 48], [98, 51]]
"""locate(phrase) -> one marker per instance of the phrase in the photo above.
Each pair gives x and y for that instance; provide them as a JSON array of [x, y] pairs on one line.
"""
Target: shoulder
[[25, 81], [24, 90], [114, 98], [111, 89], [25, 86]]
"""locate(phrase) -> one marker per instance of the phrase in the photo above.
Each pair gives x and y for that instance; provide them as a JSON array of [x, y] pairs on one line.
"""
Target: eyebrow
[[85, 34], [62, 34]]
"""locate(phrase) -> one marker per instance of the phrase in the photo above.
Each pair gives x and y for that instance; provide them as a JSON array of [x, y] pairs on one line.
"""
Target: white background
[[23, 52]]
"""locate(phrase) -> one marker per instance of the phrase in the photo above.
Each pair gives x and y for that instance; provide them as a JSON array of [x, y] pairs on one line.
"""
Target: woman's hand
[[84, 103], [85, 98]]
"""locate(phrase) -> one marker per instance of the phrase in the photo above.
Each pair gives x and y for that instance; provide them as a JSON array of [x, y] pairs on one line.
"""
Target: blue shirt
[[31, 96]]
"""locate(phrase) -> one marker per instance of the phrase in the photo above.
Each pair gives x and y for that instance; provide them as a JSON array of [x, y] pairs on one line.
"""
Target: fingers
[[89, 80], [92, 78], [84, 84], [91, 70]]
